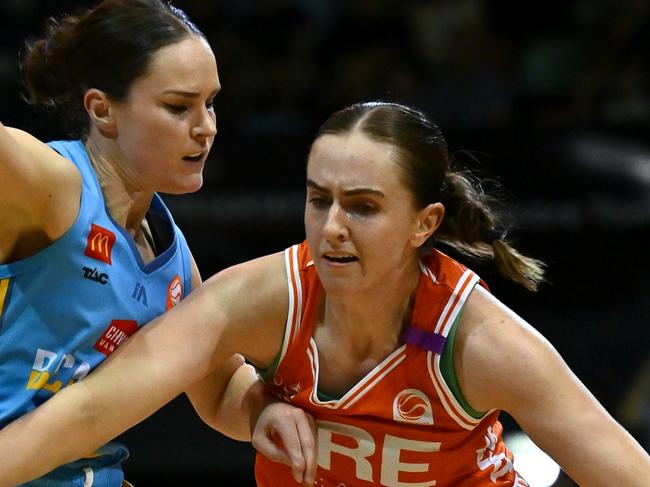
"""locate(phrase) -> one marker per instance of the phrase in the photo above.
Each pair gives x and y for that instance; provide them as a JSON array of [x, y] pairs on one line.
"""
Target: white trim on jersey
[[294, 289], [447, 318], [447, 398], [375, 376], [456, 302], [360, 389]]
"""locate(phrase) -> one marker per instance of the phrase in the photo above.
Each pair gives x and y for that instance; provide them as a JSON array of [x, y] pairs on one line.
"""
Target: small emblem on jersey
[[93, 275], [412, 406], [174, 292], [100, 243], [286, 393], [115, 335], [140, 294]]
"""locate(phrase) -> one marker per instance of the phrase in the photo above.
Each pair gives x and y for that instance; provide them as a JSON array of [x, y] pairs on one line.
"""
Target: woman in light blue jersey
[[88, 251]]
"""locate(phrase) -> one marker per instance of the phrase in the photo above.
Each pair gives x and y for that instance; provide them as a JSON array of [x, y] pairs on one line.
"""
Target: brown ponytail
[[472, 227]]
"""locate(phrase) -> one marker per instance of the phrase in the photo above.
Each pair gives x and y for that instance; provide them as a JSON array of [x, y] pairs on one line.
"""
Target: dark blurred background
[[548, 100]]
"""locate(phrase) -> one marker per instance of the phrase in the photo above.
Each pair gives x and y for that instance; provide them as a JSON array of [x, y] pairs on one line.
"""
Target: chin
[[188, 185], [339, 286]]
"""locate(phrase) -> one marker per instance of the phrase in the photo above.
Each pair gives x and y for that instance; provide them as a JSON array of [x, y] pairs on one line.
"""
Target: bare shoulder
[[53, 183], [498, 356], [504, 363], [21, 150]]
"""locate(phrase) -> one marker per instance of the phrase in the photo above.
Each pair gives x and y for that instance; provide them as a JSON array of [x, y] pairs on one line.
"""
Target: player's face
[[360, 219], [166, 126]]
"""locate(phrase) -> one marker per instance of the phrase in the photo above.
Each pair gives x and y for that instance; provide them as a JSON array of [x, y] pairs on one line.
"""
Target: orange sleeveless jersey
[[399, 426]]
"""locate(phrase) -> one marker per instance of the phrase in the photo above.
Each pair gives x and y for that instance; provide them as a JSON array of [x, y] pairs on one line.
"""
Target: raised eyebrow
[[349, 192]]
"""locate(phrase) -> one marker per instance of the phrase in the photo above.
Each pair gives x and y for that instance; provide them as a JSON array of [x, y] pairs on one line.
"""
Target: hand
[[287, 434]]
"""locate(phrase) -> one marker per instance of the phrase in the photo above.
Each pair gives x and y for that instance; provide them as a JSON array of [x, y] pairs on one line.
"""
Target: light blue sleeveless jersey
[[66, 308]]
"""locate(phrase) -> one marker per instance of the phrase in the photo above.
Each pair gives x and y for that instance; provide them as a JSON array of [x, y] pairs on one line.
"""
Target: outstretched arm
[[527, 378], [156, 364]]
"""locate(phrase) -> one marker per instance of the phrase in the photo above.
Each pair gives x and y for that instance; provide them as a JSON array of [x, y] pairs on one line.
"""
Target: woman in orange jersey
[[399, 353]]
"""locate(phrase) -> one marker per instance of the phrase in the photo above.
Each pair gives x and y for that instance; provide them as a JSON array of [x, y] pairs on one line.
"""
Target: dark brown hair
[[105, 47], [470, 225]]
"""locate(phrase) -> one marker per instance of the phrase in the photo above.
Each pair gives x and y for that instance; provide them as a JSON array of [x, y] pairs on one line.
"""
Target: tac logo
[[412, 406], [115, 335], [94, 275], [100, 243], [174, 292]]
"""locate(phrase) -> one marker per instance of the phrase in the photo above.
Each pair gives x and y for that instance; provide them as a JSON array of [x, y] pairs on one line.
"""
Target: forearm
[[29, 445], [133, 383], [590, 446], [234, 410], [602, 455]]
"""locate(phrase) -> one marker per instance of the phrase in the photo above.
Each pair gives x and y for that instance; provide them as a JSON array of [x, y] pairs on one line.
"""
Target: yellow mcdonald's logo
[[99, 243]]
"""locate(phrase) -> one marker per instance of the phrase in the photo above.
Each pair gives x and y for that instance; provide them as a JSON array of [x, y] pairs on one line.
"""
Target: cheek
[[391, 239], [311, 232]]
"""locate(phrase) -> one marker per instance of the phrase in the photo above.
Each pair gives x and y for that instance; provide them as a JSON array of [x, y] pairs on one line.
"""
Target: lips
[[196, 157], [340, 259]]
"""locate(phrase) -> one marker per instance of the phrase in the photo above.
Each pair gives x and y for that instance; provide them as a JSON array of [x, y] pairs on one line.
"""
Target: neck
[[371, 322], [126, 202]]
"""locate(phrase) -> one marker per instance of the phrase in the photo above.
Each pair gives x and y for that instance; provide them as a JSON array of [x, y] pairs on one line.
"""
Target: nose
[[335, 227], [206, 126]]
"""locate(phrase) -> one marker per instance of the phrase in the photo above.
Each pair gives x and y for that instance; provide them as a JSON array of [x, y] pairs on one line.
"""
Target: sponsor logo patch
[[174, 292], [115, 335], [95, 276], [100, 244]]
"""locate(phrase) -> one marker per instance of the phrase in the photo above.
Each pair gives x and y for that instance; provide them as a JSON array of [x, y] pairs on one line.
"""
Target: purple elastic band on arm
[[424, 339]]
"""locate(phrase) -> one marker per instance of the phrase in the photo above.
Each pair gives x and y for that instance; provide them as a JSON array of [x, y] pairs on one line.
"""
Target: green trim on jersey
[[449, 372], [325, 397], [267, 374]]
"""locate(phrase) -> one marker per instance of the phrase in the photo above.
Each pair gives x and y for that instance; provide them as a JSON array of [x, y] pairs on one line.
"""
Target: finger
[[265, 444], [280, 442], [308, 440], [290, 436]]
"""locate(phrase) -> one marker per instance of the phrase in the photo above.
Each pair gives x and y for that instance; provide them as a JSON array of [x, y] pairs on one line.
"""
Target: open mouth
[[340, 260], [194, 157]]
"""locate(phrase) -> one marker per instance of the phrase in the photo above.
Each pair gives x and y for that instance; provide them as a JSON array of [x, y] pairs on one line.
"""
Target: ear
[[101, 113], [428, 221]]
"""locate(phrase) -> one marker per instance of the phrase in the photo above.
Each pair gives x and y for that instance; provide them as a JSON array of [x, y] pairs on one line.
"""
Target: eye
[[210, 105], [363, 208], [175, 109], [319, 202]]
